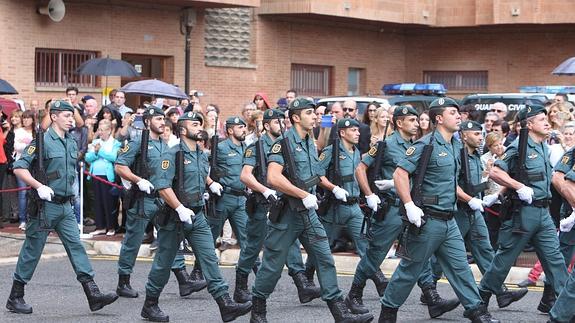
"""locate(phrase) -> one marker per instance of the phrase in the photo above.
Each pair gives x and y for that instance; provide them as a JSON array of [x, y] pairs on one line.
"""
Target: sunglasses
[[348, 110]]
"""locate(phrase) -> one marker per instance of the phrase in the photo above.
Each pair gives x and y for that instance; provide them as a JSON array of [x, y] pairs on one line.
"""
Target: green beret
[[470, 126], [61, 105], [271, 114], [404, 110], [530, 111], [301, 103], [153, 111], [233, 121], [347, 123], [191, 116], [443, 103]]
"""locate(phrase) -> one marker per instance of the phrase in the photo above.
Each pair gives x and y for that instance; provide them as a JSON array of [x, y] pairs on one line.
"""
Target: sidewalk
[[11, 239]]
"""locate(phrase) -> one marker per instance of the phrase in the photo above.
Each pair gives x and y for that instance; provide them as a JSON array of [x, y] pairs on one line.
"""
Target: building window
[[57, 68], [465, 81], [355, 81], [311, 80]]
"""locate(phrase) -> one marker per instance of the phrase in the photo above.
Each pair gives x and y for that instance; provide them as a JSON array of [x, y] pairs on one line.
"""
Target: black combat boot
[[186, 284], [485, 297], [507, 297], [16, 302], [309, 273], [258, 310], [547, 299], [230, 310], [241, 293], [387, 315], [354, 299], [380, 282], [124, 288], [96, 299], [305, 291], [341, 313], [480, 315], [197, 274], [437, 305], [152, 312]]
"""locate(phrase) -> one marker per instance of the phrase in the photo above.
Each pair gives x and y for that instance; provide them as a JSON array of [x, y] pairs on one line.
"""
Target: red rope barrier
[[491, 211], [8, 190], [104, 181]]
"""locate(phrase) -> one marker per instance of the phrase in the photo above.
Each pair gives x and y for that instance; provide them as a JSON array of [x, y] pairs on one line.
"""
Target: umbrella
[[8, 106], [154, 88], [107, 67], [565, 68], [7, 88]]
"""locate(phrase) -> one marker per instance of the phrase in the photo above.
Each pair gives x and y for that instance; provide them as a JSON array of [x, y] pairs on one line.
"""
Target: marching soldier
[[434, 162], [253, 175], [564, 180], [468, 216], [528, 219], [54, 210], [188, 206], [145, 209], [293, 160]]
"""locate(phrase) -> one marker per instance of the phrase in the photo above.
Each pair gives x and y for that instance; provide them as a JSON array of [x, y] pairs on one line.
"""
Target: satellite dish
[[55, 9]]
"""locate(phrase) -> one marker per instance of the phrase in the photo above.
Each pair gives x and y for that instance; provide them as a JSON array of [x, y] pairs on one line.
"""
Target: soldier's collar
[[439, 138], [54, 135], [295, 136]]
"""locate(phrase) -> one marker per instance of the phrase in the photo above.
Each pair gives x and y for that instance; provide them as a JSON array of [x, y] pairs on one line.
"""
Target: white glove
[[475, 204], [310, 202], [373, 201], [414, 214], [525, 194], [567, 224], [216, 188], [269, 192], [145, 186], [185, 214], [489, 200], [340, 193], [45, 193], [384, 184]]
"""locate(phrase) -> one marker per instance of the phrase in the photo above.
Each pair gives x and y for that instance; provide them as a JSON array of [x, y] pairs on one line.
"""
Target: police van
[[514, 102]]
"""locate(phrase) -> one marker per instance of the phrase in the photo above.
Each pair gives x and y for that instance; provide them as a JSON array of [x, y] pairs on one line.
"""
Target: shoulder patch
[[125, 149], [565, 160], [248, 153], [410, 151], [31, 150], [276, 148], [372, 151], [165, 164], [322, 156]]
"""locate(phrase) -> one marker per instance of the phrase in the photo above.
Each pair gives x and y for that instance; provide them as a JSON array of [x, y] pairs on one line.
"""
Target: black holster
[[276, 209]]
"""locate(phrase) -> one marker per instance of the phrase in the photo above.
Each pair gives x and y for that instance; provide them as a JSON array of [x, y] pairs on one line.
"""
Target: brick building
[[322, 47]]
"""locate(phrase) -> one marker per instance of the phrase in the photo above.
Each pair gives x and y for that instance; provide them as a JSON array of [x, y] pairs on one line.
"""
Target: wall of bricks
[[512, 56]]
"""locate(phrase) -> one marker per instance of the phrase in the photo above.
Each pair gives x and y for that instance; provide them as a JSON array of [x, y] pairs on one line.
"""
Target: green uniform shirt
[[196, 168], [440, 180], [158, 160], [394, 152], [348, 162], [229, 164], [566, 163], [251, 153], [537, 164], [304, 153], [475, 172], [60, 161]]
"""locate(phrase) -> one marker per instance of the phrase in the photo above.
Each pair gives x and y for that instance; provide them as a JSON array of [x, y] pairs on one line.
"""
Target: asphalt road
[[57, 297]]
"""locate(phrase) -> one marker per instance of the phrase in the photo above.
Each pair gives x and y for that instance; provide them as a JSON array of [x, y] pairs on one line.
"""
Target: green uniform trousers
[[443, 239], [135, 229], [61, 218], [543, 236], [256, 233], [563, 310], [199, 236], [384, 234], [232, 208], [280, 237]]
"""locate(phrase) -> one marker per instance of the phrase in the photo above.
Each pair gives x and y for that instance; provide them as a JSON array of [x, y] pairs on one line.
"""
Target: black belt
[[350, 201], [439, 215], [233, 191], [153, 195], [57, 199], [543, 203]]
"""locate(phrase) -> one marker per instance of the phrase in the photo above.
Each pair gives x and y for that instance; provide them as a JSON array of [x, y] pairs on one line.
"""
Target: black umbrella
[[154, 88], [107, 67], [7, 88], [565, 68]]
